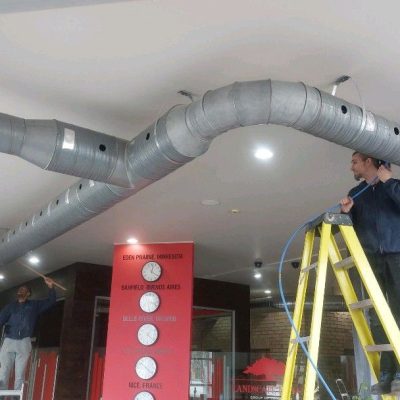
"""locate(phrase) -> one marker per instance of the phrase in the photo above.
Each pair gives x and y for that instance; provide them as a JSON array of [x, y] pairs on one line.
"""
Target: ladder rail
[[373, 289], [298, 315], [316, 319]]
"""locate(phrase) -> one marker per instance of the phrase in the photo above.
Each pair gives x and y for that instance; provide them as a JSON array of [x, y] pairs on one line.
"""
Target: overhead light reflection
[[34, 260], [263, 153]]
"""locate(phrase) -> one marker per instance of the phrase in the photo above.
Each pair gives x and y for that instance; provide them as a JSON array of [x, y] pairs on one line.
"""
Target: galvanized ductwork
[[65, 148], [115, 169]]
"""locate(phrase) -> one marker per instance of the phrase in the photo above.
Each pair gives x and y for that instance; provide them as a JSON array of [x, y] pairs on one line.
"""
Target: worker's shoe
[[384, 384], [395, 385]]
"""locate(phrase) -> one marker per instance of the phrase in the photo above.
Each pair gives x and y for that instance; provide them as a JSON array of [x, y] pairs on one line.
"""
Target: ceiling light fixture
[[132, 240], [34, 260], [257, 275], [2, 277], [263, 153], [267, 291]]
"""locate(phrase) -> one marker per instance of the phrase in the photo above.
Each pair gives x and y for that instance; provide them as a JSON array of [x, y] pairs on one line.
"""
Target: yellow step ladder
[[326, 226]]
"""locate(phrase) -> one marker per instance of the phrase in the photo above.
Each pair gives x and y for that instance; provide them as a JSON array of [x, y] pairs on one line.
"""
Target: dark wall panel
[[229, 296]]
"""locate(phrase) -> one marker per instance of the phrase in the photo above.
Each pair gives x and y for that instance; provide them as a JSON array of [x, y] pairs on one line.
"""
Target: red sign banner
[[149, 335]]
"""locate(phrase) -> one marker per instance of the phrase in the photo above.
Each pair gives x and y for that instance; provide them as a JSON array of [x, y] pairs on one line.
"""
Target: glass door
[[212, 354]]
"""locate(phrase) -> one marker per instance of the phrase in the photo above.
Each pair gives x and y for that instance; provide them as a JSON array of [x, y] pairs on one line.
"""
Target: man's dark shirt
[[376, 216], [20, 318]]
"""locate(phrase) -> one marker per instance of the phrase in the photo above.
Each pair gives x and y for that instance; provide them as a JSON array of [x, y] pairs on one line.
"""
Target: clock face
[[144, 396], [149, 302], [151, 271], [146, 367], [147, 334]]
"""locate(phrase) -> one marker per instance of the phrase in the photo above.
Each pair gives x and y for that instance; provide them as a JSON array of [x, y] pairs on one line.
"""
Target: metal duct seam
[[176, 138], [181, 131], [147, 160], [79, 203], [288, 102], [65, 148], [252, 102]]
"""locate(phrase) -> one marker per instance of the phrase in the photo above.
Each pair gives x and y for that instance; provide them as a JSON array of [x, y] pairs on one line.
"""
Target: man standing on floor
[[376, 219], [19, 318]]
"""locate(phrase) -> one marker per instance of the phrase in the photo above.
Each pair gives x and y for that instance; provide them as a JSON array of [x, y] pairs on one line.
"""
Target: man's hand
[[49, 282], [346, 204], [384, 173]]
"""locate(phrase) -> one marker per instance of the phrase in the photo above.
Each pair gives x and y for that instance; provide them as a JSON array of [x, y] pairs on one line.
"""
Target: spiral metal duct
[[115, 169]]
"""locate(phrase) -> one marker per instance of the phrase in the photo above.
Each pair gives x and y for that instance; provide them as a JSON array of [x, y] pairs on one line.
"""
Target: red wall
[[171, 352]]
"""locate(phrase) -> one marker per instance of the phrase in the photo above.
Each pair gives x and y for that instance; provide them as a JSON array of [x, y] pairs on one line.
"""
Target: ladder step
[[10, 392], [363, 304], [379, 347], [310, 267], [346, 263], [301, 339]]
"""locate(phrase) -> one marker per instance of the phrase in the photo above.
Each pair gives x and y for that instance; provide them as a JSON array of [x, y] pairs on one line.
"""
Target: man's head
[[23, 293], [363, 166]]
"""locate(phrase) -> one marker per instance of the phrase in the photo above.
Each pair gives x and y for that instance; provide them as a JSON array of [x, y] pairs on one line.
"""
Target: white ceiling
[[117, 67]]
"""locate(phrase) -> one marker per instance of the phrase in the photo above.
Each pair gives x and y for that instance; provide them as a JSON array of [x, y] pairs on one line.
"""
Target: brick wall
[[213, 333], [269, 332]]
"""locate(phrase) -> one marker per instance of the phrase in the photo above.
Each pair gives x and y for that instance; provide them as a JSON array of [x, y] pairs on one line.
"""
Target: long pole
[[40, 274]]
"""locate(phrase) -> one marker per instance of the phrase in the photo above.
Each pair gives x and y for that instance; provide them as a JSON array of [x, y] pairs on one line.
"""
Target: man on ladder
[[376, 219]]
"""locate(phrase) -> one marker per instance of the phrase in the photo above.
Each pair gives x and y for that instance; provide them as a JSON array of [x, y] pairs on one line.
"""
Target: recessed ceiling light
[[235, 211], [267, 291], [263, 153], [257, 275], [132, 240], [34, 260], [2, 277], [210, 202]]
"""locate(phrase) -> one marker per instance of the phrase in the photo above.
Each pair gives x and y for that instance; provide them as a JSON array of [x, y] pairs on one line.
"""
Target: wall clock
[[144, 396], [151, 271], [147, 334], [146, 367], [149, 302]]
